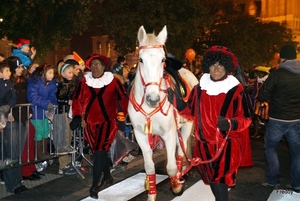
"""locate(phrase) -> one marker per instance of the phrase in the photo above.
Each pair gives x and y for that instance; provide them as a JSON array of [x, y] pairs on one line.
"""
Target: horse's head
[[151, 64]]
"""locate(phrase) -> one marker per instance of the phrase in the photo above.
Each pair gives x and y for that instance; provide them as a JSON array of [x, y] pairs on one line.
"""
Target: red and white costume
[[204, 107], [96, 100]]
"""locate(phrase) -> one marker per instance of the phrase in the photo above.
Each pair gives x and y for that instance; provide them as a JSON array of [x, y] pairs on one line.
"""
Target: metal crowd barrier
[[14, 135]]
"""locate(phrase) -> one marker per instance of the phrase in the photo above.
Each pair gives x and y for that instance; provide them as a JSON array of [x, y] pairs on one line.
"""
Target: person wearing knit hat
[[288, 52], [281, 89], [14, 63], [19, 131], [21, 48], [221, 113], [20, 85], [98, 95]]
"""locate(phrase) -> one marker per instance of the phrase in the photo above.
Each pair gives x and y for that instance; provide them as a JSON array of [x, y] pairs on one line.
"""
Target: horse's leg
[[150, 181], [170, 143], [181, 159]]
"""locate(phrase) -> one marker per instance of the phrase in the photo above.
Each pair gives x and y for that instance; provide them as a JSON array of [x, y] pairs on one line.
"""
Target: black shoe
[[106, 183], [297, 190], [32, 177], [38, 173], [19, 190], [123, 163], [94, 192]]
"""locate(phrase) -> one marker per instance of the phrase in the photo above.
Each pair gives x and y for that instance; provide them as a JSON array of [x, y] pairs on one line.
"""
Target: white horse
[[152, 114]]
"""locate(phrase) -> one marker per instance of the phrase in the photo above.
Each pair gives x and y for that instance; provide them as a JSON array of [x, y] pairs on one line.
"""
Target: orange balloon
[[190, 54]]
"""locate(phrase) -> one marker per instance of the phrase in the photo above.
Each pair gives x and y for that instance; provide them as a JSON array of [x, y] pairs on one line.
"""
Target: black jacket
[[7, 93], [282, 88], [21, 94], [64, 92]]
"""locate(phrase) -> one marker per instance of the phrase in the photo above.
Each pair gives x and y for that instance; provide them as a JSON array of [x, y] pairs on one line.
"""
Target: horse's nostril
[[152, 101]]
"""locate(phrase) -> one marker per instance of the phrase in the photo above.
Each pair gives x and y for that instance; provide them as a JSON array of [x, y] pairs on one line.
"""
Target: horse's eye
[[140, 60]]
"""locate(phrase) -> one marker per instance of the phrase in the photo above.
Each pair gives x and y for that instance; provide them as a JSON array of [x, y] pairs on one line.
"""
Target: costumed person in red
[[95, 101], [221, 112], [261, 108]]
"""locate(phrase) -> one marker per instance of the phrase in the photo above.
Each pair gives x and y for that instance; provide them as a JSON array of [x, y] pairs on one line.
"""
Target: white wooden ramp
[[199, 191], [133, 186], [125, 189], [284, 195]]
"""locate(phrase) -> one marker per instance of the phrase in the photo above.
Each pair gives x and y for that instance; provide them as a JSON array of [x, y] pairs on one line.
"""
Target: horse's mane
[[151, 39]]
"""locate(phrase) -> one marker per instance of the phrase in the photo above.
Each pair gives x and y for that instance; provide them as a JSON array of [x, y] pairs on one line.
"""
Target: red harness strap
[[148, 123], [196, 161]]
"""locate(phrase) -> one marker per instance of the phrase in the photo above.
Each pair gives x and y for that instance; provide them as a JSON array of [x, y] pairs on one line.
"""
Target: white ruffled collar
[[100, 82], [217, 87]]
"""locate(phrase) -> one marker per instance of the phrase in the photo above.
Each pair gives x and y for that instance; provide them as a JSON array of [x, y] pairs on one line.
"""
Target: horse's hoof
[[177, 191], [151, 197]]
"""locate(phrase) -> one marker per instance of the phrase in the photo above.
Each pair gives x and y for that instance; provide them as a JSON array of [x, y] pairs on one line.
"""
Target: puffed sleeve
[[122, 97], [77, 104]]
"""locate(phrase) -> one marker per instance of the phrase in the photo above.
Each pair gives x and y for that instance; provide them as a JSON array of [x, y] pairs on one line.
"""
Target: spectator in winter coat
[[21, 48], [41, 92], [282, 90]]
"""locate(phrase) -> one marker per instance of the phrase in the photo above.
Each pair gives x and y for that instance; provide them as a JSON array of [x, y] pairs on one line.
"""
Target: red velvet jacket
[[97, 99]]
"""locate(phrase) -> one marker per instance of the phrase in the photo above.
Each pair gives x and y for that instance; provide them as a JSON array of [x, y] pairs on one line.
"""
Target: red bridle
[[142, 78], [138, 107]]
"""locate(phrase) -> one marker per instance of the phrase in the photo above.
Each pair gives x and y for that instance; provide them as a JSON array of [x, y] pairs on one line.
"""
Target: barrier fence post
[[16, 144]]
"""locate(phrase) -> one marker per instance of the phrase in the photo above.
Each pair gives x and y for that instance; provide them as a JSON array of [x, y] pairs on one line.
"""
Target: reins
[[148, 123], [198, 160], [138, 106]]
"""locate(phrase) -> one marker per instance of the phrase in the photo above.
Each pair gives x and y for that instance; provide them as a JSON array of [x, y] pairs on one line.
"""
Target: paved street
[[248, 182]]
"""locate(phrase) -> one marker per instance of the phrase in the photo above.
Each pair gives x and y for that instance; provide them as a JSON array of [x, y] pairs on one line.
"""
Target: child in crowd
[[81, 64], [21, 119], [41, 92], [59, 65], [13, 176], [61, 132], [78, 74], [31, 68], [21, 48]]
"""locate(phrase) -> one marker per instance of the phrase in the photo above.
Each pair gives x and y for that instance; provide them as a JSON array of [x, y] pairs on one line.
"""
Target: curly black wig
[[219, 54]]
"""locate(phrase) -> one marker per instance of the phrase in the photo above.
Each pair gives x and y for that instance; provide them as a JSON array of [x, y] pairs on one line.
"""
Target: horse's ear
[[162, 36], [142, 35]]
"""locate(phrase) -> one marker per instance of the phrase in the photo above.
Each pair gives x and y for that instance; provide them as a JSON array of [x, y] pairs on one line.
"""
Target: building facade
[[275, 10], [283, 10]]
